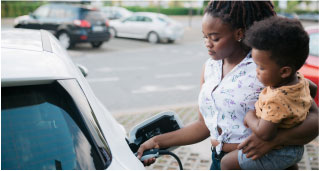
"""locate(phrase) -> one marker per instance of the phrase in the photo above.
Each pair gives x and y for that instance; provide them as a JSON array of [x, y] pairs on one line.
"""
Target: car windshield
[[314, 44], [42, 128], [164, 19]]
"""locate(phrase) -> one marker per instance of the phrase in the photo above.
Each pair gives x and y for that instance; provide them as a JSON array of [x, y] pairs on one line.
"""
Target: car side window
[[57, 12], [140, 18], [314, 44], [133, 18], [42, 12], [70, 14], [147, 19]]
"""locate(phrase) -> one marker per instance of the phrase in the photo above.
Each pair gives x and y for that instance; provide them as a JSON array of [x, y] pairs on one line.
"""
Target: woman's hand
[[255, 147], [149, 144]]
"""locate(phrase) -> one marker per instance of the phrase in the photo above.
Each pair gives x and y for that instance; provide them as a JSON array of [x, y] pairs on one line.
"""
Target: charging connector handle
[[147, 154], [154, 153]]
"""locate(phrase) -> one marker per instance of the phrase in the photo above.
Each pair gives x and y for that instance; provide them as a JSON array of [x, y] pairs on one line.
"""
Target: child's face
[[268, 72]]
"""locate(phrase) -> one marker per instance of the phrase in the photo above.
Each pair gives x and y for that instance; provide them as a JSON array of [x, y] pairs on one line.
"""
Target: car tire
[[113, 32], [65, 40], [96, 44], [153, 37], [170, 41]]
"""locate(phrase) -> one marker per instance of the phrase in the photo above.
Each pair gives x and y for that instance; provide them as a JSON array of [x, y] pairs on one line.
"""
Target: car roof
[[32, 57], [151, 14], [71, 5]]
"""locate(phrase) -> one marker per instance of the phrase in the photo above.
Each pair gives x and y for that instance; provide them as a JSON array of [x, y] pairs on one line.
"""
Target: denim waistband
[[218, 156]]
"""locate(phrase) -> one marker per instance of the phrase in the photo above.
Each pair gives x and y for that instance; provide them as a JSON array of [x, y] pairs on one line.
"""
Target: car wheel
[[170, 41], [153, 37], [65, 40], [96, 44], [113, 32]]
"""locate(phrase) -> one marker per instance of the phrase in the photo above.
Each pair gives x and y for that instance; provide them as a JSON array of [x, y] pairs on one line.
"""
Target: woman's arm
[[304, 133], [192, 133], [313, 88], [299, 135]]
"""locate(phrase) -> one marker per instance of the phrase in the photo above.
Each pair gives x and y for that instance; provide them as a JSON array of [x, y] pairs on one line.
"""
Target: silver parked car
[[50, 117], [154, 27]]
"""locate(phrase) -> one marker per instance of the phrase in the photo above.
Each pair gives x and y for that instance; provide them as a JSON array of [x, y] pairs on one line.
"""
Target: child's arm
[[302, 134], [265, 130]]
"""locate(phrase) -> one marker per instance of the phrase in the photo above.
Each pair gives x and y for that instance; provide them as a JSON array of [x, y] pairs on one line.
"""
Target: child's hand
[[248, 117]]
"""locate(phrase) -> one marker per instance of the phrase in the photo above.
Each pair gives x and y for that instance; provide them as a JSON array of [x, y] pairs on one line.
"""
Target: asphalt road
[[134, 75]]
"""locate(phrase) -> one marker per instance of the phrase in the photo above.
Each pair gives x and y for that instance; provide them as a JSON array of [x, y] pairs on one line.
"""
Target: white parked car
[[154, 27], [50, 118], [114, 12]]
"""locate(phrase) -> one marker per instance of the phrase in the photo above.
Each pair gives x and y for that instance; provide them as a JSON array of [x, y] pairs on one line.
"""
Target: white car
[[114, 12], [154, 27], [50, 118]]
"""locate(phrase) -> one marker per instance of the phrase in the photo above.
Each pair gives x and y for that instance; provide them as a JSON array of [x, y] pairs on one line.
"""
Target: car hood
[[115, 22], [21, 19]]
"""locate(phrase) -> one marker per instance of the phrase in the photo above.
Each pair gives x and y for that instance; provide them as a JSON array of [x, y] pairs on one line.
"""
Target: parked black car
[[70, 23]]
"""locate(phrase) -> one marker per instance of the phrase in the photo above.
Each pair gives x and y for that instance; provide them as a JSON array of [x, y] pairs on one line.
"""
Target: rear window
[[42, 128], [92, 15]]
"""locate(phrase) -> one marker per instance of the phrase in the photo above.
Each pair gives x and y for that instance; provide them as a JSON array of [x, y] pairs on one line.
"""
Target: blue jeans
[[274, 160], [216, 159]]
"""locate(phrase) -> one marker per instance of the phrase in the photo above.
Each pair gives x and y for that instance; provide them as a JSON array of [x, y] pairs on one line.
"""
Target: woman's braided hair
[[240, 14]]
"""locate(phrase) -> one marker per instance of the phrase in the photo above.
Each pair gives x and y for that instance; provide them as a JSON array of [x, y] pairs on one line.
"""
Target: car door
[[127, 27], [144, 26]]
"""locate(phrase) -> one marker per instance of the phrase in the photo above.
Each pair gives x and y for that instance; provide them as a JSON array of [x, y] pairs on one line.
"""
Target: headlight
[[16, 21]]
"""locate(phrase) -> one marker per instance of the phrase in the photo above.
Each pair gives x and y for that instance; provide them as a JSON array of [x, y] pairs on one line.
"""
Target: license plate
[[97, 28]]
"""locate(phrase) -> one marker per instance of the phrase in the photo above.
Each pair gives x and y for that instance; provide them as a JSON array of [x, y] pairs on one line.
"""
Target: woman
[[229, 88]]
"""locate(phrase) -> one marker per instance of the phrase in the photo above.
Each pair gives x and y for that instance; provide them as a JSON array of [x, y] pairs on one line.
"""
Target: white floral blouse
[[227, 105]]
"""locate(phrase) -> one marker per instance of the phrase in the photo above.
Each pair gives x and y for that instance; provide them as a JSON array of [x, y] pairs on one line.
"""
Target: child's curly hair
[[285, 38]]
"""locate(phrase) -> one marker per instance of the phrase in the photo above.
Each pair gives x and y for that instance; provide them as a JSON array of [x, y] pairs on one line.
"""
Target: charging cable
[[154, 153]]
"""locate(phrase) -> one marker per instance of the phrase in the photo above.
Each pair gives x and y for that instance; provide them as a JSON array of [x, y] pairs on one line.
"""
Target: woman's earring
[[239, 40]]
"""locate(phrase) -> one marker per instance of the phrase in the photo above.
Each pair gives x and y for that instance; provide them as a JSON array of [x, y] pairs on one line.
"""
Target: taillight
[[82, 23], [107, 23]]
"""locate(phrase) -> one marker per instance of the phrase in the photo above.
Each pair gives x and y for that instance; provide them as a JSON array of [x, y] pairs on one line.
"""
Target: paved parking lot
[[197, 156]]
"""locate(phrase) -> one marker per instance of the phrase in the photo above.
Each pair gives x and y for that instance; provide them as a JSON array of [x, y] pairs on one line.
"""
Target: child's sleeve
[[274, 110]]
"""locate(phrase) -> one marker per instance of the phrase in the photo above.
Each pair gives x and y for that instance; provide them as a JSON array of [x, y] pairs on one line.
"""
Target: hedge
[[18, 8], [167, 11], [14, 8]]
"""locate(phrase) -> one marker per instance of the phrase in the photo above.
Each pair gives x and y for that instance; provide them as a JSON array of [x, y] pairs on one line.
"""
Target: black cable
[[165, 152]]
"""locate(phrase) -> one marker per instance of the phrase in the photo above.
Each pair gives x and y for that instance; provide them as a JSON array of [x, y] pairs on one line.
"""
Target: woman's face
[[220, 38]]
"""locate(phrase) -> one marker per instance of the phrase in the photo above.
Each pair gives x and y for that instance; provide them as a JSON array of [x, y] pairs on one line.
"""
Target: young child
[[280, 47]]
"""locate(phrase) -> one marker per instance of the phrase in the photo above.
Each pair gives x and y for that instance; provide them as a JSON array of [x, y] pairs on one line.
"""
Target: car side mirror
[[159, 124], [83, 70]]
